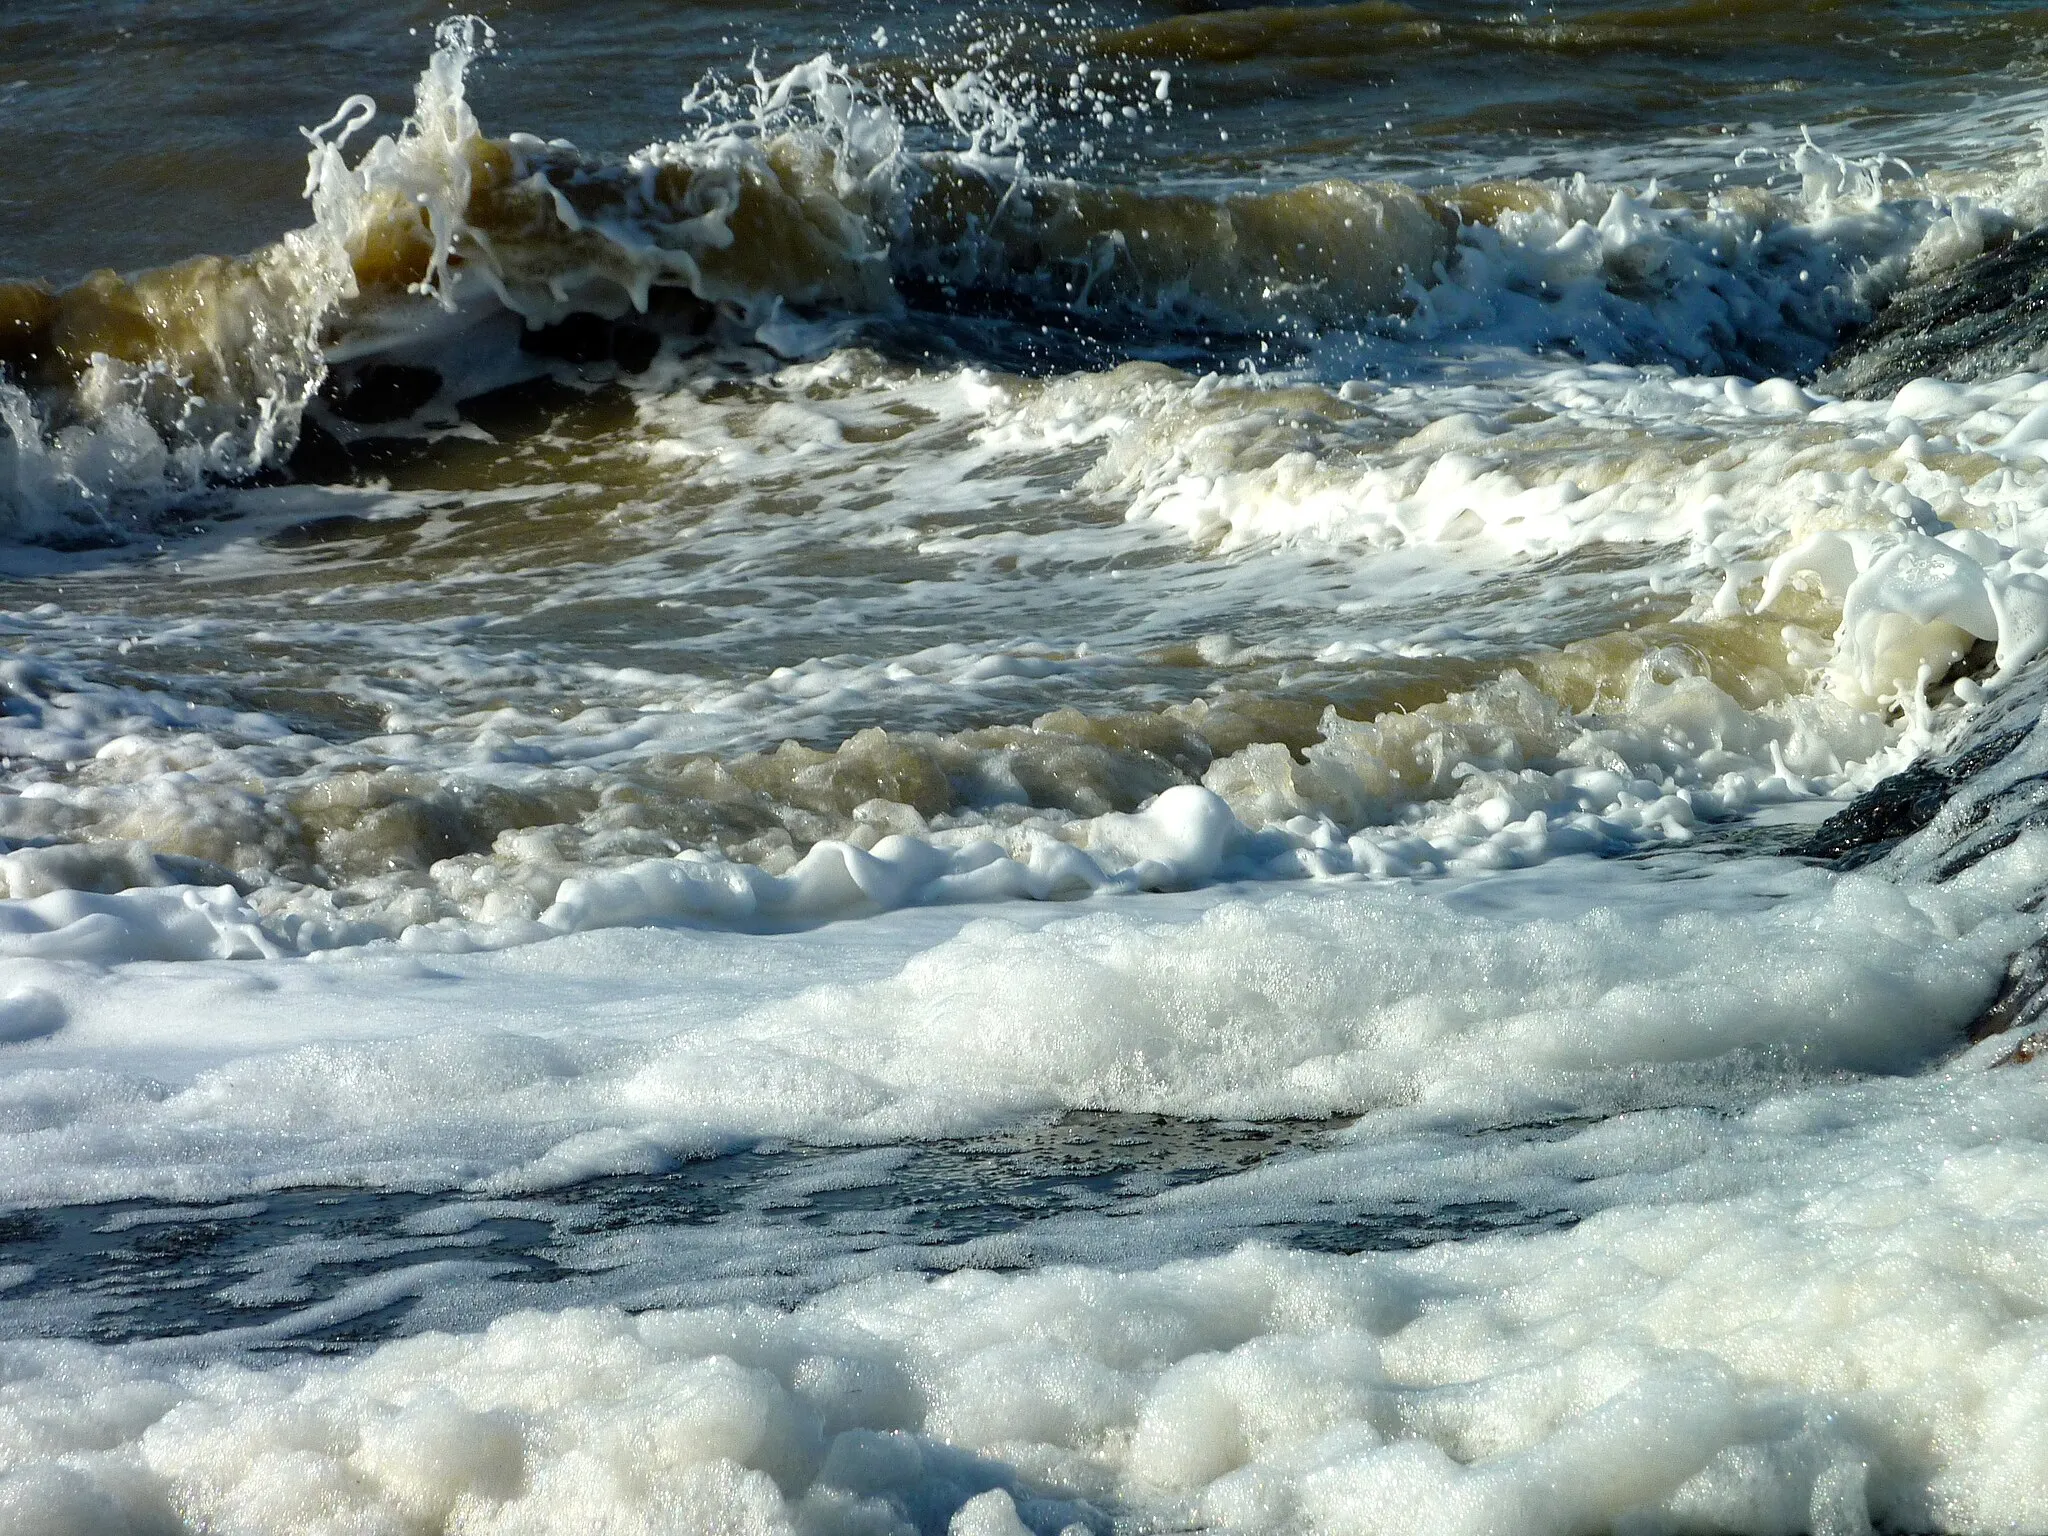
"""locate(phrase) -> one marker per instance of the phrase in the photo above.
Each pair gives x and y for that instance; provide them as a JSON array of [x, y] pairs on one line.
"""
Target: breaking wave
[[441, 264]]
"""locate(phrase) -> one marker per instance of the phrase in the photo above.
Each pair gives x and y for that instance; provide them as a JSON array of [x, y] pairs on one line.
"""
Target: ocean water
[[884, 769]]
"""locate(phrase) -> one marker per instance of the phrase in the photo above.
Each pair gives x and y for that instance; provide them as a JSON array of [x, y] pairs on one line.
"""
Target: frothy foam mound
[[1808, 1350], [1590, 984]]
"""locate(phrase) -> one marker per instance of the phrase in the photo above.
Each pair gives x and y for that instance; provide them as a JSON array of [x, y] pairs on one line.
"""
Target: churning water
[[872, 769]]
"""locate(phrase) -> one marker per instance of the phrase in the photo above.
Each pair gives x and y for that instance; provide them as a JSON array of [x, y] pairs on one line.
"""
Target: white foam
[[1767, 1337], [520, 1068]]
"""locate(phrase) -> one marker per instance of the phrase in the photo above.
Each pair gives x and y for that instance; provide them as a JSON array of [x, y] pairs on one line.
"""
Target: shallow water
[[900, 769]]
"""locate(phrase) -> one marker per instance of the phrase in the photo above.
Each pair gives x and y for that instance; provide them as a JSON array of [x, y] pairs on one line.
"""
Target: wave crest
[[442, 263]]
